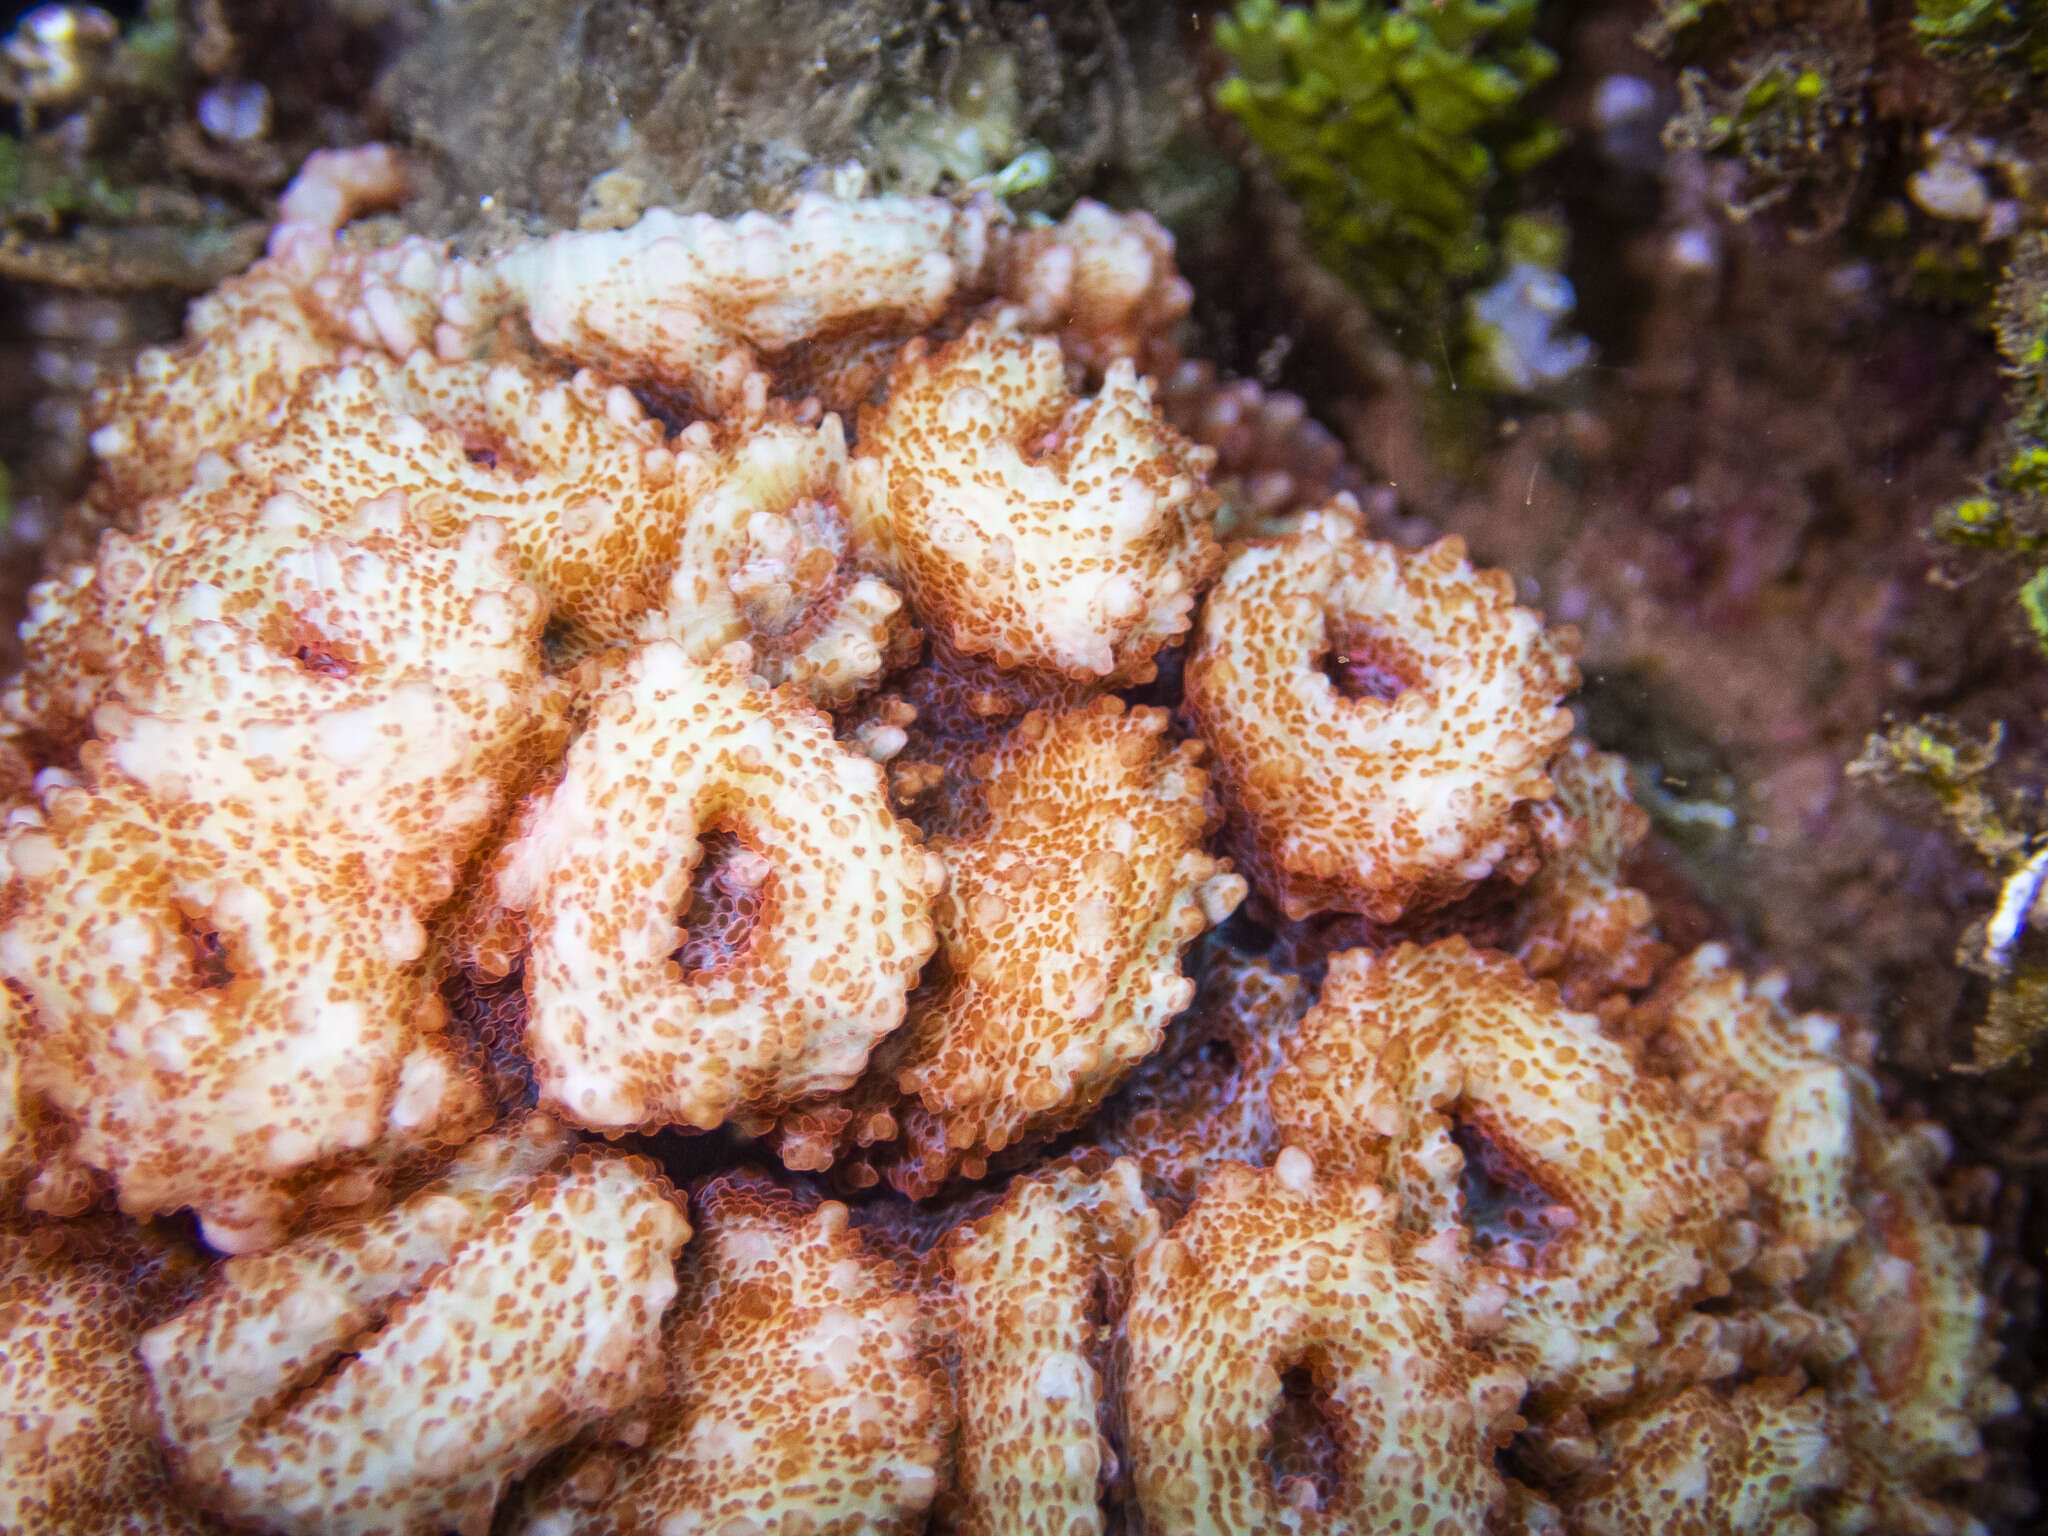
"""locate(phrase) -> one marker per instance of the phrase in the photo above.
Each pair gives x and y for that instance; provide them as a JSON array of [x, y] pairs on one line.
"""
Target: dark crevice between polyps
[[1512, 1218], [1305, 1458], [729, 891]]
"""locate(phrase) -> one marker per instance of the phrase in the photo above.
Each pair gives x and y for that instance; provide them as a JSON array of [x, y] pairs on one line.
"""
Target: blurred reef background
[[1722, 324]]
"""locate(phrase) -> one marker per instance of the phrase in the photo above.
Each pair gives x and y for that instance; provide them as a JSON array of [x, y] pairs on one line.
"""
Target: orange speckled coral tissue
[[1117, 1024]]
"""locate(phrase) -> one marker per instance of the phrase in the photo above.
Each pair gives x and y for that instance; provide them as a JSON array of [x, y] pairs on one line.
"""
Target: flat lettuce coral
[[1389, 126]]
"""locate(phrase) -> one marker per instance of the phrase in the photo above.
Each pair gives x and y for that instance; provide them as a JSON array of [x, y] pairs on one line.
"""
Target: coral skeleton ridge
[[1124, 1004]]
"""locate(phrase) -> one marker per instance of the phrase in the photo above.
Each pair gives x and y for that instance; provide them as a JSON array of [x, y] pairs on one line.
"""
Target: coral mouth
[[1304, 1459], [1512, 1218], [1365, 666], [727, 896]]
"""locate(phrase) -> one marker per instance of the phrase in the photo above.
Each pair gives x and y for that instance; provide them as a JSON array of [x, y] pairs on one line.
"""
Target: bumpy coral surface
[[1028, 1294], [1856, 1255], [1705, 1463], [393, 1378], [1378, 716], [431, 768], [1202, 1099], [1276, 1271], [17, 1137], [1411, 1049], [692, 302], [74, 1399], [248, 341], [1581, 924], [716, 537], [802, 1393], [579, 475], [1043, 531], [1104, 283], [1086, 846], [598, 867], [220, 924], [766, 556], [1274, 461]]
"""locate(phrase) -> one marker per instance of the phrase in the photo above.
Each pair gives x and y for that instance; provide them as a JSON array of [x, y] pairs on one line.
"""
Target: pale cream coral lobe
[[1085, 845], [1416, 1063], [1394, 780], [801, 1393], [1029, 1295], [598, 866], [1281, 1269], [305, 724], [1043, 531], [396, 1377]]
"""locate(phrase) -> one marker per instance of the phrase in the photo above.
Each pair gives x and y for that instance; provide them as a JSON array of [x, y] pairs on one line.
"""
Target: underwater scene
[[1104, 769]]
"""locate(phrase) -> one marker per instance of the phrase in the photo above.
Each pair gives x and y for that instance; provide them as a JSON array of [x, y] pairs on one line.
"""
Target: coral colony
[[1120, 1024]]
